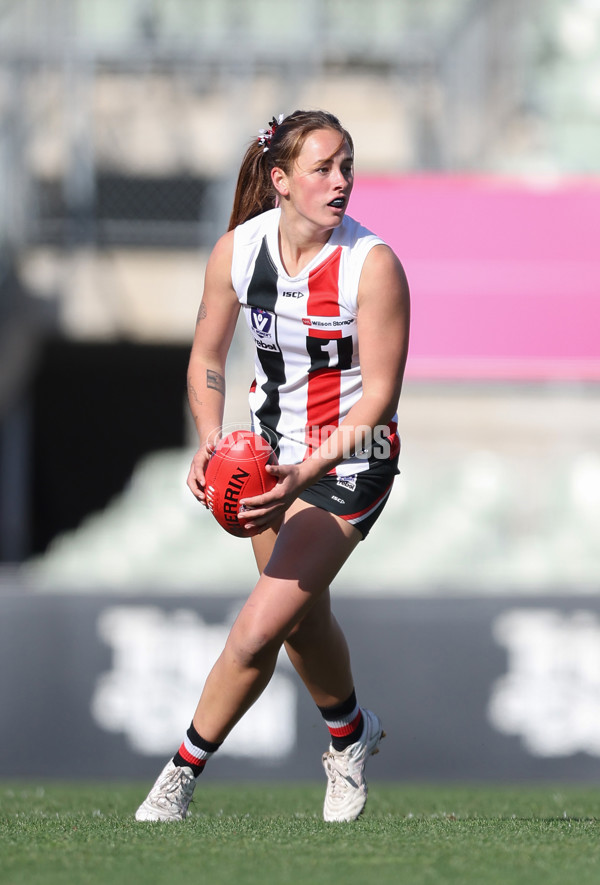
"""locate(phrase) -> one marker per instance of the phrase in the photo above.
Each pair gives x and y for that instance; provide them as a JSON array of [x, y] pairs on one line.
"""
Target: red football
[[237, 470]]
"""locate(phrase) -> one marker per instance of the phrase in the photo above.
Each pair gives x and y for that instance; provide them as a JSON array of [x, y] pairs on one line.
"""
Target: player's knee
[[254, 649], [308, 630], [297, 632]]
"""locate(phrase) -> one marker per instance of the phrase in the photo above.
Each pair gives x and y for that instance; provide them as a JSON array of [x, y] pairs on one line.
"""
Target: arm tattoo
[[201, 312], [216, 381], [193, 392]]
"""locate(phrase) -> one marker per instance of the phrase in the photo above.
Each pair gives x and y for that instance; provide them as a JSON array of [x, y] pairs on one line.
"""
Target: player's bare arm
[[215, 326]]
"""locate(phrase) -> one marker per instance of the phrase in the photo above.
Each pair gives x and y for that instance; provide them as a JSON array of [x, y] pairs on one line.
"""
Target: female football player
[[327, 304]]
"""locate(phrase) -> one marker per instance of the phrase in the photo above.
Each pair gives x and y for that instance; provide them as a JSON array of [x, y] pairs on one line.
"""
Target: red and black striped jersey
[[307, 365]]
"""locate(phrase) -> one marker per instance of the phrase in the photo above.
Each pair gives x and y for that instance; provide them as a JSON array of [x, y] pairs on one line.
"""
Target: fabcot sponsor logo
[[347, 482]]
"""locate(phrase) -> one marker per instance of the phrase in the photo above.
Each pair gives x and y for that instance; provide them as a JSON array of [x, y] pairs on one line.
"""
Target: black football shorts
[[360, 498]]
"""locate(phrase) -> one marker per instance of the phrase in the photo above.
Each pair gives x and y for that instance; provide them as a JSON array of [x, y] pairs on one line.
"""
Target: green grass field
[[85, 833]]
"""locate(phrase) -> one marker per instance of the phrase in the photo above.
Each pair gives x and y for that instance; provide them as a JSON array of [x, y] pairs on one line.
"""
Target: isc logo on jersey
[[263, 327]]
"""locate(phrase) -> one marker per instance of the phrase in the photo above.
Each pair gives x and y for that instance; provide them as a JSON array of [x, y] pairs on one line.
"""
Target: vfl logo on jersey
[[261, 321], [264, 329]]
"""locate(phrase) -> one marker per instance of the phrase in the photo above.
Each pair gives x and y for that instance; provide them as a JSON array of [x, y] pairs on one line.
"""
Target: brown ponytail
[[254, 191]]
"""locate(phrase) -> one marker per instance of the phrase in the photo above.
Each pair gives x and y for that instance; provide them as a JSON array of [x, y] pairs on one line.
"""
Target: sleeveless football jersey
[[307, 366]]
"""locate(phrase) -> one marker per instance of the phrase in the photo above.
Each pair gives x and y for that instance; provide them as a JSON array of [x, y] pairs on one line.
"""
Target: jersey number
[[329, 353]]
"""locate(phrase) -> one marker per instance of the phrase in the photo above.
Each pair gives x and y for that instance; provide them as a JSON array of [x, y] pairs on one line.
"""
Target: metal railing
[[76, 71]]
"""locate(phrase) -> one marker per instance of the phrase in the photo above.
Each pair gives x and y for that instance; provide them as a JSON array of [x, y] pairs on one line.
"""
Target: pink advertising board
[[504, 275]]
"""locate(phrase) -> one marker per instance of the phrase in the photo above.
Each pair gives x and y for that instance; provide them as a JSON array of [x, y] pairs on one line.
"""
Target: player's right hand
[[196, 481]]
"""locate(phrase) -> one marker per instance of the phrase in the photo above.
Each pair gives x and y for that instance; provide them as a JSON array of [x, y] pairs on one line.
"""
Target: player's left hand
[[267, 510]]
